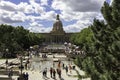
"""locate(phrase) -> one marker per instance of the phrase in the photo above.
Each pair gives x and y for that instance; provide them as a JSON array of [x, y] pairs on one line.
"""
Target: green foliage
[[16, 39], [82, 38], [102, 59]]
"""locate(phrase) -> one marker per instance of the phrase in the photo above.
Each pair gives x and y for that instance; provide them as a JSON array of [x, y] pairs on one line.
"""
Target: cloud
[[35, 24], [44, 2], [83, 11], [78, 9], [11, 17], [25, 7], [22, 6], [8, 20], [15, 13], [39, 28], [78, 5], [6, 5], [38, 8], [37, 11], [68, 16], [78, 26], [48, 16], [83, 20]]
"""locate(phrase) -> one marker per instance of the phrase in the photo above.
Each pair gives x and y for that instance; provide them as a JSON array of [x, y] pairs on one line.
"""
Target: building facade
[[57, 35]]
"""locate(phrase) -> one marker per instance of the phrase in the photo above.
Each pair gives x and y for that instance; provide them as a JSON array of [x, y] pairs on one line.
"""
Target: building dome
[[58, 26]]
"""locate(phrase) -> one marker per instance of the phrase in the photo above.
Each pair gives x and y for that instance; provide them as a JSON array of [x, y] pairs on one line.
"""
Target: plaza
[[38, 64]]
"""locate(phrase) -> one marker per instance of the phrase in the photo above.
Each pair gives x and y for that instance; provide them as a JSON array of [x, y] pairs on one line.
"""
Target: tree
[[82, 38], [17, 39], [102, 61]]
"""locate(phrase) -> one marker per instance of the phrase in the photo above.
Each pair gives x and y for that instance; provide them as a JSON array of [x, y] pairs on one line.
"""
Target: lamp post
[[21, 65], [30, 54], [6, 58], [65, 47], [31, 48]]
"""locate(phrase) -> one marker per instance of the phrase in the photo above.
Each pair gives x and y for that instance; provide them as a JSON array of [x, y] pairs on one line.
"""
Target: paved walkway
[[36, 73]]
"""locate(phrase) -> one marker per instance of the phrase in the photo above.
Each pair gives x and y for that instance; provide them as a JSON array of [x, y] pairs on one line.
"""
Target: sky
[[39, 15]]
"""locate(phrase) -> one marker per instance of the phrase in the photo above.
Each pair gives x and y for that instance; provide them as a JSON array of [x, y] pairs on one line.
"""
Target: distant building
[[57, 35]]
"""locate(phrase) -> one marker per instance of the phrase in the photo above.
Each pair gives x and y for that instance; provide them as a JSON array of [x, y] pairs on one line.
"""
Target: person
[[53, 64], [66, 68], [54, 73], [59, 65], [28, 61], [59, 73], [45, 72], [6, 62], [18, 78], [57, 70], [29, 65], [10, 74], [26, 66], [70, 68], [26, 76], [63, 66], [51, 71], [73, 67]]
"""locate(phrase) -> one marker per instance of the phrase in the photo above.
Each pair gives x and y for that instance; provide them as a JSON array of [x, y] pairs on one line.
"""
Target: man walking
[[54, 73], [51, 71], [59, 73], [26, 76], [45, 72], [66, 68], [70, 68]]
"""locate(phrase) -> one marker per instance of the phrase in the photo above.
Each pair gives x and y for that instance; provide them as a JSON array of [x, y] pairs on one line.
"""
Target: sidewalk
[[36, 74]]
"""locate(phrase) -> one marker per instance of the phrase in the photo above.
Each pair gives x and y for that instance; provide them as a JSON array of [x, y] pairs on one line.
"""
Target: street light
[[65, 47], [31, 48], [21, 65], [6, 58]]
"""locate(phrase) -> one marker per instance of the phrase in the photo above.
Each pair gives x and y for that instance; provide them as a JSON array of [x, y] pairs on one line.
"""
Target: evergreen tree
[[102, 61]]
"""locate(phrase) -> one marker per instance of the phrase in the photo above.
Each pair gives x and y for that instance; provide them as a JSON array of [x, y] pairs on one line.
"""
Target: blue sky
[[108, 1], [39, 15]]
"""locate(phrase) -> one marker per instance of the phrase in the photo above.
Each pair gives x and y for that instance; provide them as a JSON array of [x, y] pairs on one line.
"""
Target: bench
[[3, 72]]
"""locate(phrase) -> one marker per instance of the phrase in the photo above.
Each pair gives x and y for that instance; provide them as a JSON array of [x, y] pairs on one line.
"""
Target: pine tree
[[104, 64]]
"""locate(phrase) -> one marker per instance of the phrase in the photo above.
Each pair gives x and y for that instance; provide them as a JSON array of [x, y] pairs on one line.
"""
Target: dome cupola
[[58, 26]]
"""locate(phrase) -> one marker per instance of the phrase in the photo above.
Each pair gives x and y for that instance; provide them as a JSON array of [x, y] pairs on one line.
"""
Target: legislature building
[[57, 35]]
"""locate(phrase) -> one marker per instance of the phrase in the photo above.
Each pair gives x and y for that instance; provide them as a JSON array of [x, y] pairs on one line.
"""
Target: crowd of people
[[58, 70]]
